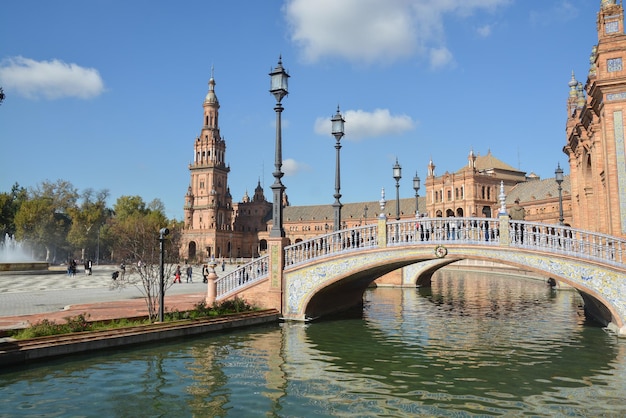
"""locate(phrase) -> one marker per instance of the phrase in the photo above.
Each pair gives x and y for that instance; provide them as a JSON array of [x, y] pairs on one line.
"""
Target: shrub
[[80, 323], [77, 323], [232, 306]]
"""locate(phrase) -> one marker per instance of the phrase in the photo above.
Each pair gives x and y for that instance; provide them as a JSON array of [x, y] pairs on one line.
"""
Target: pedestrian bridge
[[331, 272]]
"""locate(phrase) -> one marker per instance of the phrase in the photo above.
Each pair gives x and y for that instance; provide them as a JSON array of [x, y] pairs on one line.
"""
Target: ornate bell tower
[[208, 204], [595, 130]]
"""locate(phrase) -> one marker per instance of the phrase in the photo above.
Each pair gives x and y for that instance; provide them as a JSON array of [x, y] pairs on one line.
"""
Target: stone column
[[382, 221], [382, 232], [505, 238], [276, 246], [211, 293]]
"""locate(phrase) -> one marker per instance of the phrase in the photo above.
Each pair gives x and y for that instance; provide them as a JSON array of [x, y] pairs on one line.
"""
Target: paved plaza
[[55, 295]]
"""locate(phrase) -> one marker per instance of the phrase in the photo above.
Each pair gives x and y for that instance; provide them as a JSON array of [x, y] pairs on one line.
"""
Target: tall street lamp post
[[416, 187], [278, 87], [559, 179], [397, 175], [337, 130], [162, 233]]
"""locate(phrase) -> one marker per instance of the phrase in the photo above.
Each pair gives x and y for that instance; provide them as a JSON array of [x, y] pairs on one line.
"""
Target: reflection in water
[[472, 344]]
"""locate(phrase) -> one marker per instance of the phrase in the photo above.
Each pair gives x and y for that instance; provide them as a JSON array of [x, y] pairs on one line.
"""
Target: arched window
[[191, 250]]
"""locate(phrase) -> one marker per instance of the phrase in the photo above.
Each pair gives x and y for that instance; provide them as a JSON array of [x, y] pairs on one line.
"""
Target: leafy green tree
[[38, 224], [87, 218], [9, 204], [126, 206], [51, 231]]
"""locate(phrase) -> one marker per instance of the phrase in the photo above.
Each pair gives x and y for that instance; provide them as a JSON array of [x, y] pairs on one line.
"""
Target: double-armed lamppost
[[416, 187], [397, 175], [278, 87], [337, 130], [558, 173]]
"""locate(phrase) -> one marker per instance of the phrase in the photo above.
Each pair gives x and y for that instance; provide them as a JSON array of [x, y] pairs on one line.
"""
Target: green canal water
[[473, 345]]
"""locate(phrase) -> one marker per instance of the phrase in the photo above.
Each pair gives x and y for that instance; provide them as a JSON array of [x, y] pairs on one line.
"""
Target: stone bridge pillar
[[382, 231], [503, 230], [276, 247]]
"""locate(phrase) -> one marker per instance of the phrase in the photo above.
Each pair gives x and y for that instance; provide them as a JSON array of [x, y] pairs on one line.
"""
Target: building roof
[[351, 212], [489, 162], [535, 190]]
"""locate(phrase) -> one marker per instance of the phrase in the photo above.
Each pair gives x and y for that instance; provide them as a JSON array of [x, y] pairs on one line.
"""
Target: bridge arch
[[338, 283]]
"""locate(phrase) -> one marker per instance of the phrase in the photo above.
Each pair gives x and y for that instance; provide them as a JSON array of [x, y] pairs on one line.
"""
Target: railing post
[[504, 230], [211, 284], [382, 231], [276, 247]]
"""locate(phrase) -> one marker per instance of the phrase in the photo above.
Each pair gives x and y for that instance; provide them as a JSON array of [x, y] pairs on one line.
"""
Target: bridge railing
[[440, 230], [242, 276], [334, 243], [568, 240]]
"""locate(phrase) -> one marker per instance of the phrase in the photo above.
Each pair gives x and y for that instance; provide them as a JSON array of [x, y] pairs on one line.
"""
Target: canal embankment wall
[[19, 352]]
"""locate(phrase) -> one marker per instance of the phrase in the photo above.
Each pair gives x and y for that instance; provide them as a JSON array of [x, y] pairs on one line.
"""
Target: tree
[[9, 205], [86, 219], [136, 231], [38, 224], [45, 219], [63, 194]]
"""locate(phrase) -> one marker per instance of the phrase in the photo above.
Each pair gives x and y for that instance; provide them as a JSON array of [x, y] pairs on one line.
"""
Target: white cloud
[[440, 58], [484, 31], [358, 30], [292, 167], [375, 31], [361, 124], [49, 79]]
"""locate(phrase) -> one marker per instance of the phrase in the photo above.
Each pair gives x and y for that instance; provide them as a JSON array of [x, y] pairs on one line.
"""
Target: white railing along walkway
[[438, 231], [330, 244], [244, 275], [568, 241]]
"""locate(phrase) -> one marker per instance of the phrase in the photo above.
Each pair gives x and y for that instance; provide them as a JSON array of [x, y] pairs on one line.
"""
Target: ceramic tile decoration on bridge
[[331, 272]]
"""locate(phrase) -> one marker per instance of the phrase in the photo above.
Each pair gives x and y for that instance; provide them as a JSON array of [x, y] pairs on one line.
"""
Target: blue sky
[[108, 94]]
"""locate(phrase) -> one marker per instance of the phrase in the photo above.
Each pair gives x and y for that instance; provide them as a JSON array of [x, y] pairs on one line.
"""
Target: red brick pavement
[[103, 311]]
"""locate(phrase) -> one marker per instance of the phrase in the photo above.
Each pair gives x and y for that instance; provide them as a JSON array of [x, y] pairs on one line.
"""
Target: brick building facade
[[214, 226], [595, 130]]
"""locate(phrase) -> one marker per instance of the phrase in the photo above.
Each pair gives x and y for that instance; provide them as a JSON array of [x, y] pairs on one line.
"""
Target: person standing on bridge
[[518, 213]]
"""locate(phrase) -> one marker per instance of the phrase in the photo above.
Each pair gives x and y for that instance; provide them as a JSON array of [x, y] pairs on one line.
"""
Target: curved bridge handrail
[[471, 230], [567, 240], [485, 231], [242, 276], [342, 241]]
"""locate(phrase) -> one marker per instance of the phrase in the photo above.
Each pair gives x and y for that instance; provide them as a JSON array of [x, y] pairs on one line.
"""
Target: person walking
[[205, 274], [189, 274], [177, 274]]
